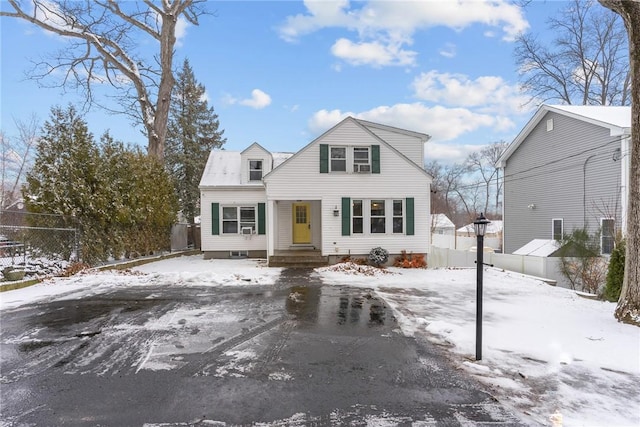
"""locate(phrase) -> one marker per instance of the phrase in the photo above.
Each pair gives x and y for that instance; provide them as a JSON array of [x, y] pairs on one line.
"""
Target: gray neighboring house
[[568, 168]]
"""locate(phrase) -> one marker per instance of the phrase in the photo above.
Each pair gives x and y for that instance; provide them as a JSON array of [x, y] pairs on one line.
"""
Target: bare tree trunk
[[628, 309]]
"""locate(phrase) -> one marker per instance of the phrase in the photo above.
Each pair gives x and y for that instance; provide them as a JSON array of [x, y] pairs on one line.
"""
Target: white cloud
[[258, 100], [385, 27], [322, 14], [373, 53], [448, 51], [448, 153], [181, 30], [443, 124], [485, 93]]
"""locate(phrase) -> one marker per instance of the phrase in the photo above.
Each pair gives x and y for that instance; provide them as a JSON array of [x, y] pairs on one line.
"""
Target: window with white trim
[[237, 218], [338, 159], [398, 216], [378, 217], [357, 217], [255, 170], [557, 229], [361, 160], [607, 235]]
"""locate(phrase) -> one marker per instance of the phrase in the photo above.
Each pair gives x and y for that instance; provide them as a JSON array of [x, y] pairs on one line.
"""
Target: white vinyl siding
[[249, 171], [409, 146], [300, 178], [230, 199]]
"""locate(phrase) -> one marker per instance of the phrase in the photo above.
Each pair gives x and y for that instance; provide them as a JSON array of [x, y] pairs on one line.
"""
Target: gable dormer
[[256, 162]]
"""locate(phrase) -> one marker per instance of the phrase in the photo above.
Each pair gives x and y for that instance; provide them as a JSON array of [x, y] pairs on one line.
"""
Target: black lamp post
[[480, 226]]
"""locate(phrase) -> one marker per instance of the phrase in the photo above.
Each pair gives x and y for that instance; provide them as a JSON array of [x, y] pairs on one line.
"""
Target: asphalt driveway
[[297, 353]]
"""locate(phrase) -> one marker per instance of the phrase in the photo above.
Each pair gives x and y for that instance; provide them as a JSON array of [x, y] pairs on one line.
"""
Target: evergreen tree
[[123, 199], [63, 177], [192, 133], [615, 274]]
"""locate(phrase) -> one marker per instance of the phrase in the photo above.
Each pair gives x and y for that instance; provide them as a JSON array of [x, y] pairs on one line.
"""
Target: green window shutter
[[324, 158], [410, 230], [261, 218], [215, 218], [346, 216], [375, 159]]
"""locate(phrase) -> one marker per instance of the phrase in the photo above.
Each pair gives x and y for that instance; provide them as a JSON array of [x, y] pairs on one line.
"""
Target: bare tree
[[438, 196], [586, 62], [16, 157], [103, 39], [628, 309], [483, 165], [449, 191]]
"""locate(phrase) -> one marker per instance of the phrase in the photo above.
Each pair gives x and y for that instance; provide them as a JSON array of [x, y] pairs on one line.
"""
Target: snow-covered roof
[[223, 168], [494, 227], [616, 119], [441, 221], [279, 158], [539, 247], [607, 115]]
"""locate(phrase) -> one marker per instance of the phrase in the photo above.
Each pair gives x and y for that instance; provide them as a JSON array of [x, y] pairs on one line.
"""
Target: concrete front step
[[298, 261]]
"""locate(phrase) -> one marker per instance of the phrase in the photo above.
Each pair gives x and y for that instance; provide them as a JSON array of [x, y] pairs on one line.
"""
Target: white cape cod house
[[358, 186]]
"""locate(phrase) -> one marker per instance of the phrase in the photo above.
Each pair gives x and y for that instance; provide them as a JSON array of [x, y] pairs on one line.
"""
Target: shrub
[[378, 256], [410, 261], [615, 274], [581, 263]]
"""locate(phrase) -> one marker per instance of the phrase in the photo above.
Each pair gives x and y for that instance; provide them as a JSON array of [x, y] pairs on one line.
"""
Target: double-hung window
[[378, 218], [255, 170], [361, 160], [607, 235], [557, 231], [358, 217], [338, 159], [398, 217], [238, 219]]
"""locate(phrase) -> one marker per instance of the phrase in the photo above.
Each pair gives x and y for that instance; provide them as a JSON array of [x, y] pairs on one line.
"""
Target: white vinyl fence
[[542, 267], [463, 243]]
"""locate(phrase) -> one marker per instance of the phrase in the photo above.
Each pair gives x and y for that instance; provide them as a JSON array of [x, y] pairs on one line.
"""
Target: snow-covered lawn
[[182, 271], [547, 351]]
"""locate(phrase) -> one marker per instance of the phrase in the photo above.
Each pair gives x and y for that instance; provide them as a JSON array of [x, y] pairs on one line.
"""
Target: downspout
[[584, 191]]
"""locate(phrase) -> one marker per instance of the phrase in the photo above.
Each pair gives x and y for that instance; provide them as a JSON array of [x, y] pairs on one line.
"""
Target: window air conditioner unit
[[361, 168], [246, 230]]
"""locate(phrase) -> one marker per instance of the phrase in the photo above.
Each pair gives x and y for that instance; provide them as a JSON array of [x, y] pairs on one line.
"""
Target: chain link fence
[[36, 245]]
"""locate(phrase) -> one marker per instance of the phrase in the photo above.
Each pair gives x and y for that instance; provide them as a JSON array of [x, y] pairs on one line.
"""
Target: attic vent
[[549, 125]]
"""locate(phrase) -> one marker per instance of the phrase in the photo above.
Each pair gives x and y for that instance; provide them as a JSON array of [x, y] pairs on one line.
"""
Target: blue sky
[[281, 72]]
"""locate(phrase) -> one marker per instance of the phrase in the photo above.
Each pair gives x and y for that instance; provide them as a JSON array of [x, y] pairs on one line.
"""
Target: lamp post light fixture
[[480, 227]]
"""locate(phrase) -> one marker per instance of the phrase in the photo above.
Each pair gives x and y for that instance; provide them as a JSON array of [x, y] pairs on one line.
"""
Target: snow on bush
[[378, 256]]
